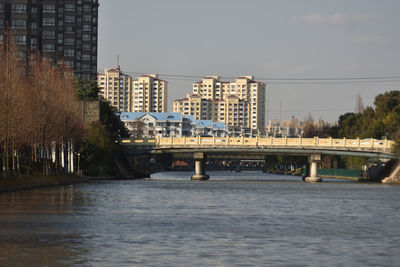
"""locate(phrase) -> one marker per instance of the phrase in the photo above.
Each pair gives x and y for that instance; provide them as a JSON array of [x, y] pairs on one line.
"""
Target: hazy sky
[[267, 39]]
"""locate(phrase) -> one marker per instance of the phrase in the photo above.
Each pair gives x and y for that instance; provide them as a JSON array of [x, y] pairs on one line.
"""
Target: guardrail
[[260, 142]]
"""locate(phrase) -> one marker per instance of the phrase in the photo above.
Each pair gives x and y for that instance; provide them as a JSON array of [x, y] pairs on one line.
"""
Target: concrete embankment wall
[[395, 175]]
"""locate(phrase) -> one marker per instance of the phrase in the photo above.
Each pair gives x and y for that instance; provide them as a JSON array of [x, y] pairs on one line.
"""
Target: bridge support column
[[313, 159], [200, 168]]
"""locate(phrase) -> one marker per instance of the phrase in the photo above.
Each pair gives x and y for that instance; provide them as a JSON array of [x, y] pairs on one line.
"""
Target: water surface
[[234, 219]]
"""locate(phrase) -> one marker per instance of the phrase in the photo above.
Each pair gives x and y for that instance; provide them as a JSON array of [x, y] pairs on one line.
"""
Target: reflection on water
[[235, 219], [36, 226]]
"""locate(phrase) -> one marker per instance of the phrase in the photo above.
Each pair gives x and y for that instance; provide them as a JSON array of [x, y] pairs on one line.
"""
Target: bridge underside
[[202, 148], [260, 153]]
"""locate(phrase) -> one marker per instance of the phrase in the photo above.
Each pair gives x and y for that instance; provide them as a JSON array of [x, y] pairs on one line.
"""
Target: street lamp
[[79, 159]]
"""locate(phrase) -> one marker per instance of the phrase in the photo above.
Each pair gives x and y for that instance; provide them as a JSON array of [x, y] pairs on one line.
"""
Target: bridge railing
[[361, 144], [260, 142]]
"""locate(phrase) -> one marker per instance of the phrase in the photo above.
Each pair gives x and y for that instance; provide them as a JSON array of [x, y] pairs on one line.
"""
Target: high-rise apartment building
[[60, 29], [193, 104], [150, 94], [239, 104], [116, 87], [147, 93]]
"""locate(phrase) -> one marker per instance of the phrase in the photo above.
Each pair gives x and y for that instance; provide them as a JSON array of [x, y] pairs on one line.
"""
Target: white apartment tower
[[146, 94], [238, 104], [116, 87], [149, 94]]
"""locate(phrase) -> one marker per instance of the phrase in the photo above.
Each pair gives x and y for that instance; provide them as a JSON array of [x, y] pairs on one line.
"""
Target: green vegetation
[[100, 148], [86, 89], [381, 122]]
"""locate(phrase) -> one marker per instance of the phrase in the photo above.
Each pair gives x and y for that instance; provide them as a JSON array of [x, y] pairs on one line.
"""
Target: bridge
[[201, 148]]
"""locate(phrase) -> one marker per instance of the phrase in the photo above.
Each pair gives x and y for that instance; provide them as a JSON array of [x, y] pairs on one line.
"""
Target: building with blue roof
[[165, 124], [210, 128]]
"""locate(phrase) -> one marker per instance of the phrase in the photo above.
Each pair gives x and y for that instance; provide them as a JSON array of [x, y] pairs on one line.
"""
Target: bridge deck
[[271, 144]]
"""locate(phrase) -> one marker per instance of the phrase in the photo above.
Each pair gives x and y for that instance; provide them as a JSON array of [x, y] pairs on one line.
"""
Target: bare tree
[[359, 108], [40, 120], [309, 129]]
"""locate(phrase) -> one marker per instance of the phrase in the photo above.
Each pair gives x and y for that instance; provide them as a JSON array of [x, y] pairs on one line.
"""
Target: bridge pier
[[313, 178], [200, 167]]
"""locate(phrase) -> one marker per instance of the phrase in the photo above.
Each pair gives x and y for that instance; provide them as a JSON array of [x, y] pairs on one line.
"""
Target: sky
[[269, 39]]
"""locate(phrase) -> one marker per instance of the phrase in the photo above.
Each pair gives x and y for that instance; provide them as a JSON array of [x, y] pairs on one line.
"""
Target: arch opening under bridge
[[199, 148]]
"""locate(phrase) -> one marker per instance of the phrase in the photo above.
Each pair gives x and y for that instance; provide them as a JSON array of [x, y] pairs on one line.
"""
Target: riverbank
[[36, 180], [24, 182]]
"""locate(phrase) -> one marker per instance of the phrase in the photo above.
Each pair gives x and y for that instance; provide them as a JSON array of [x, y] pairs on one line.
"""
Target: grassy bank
[[23, 182]]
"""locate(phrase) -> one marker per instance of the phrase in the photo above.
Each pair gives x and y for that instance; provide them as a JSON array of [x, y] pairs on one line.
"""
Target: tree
[[87, 90], [40, 118], [359, 108], [98, 151], [100, 148], [109, 117], [309, 129]]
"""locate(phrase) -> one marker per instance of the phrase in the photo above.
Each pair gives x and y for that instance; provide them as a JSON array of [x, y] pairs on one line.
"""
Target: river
[[234, 219]]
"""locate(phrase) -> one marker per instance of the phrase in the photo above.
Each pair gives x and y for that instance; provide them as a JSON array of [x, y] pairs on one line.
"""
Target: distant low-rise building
[[153, 124], [166, 124], [209, 128], [293, 127]]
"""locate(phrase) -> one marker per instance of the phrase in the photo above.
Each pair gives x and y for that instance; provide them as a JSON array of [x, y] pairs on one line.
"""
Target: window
[[1, 39], [69, 52], [86, 28], [49, 21], [69, 41], [34, 10], [48, 48], [69, 7], [86, 37], [18, 24], [20, 39], [1, 7], [70, 19], [48, 8], [18, 8], [86, 67], [87, 18], [86, 8], [69, 30], [33, 43], [34, 26], [87, 57], [49, 35]]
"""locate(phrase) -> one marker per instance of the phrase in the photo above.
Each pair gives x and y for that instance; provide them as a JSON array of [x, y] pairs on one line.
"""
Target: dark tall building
[[60, 29]]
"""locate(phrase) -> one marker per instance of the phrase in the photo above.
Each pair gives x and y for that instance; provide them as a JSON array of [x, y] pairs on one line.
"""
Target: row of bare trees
[[40, 118]]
